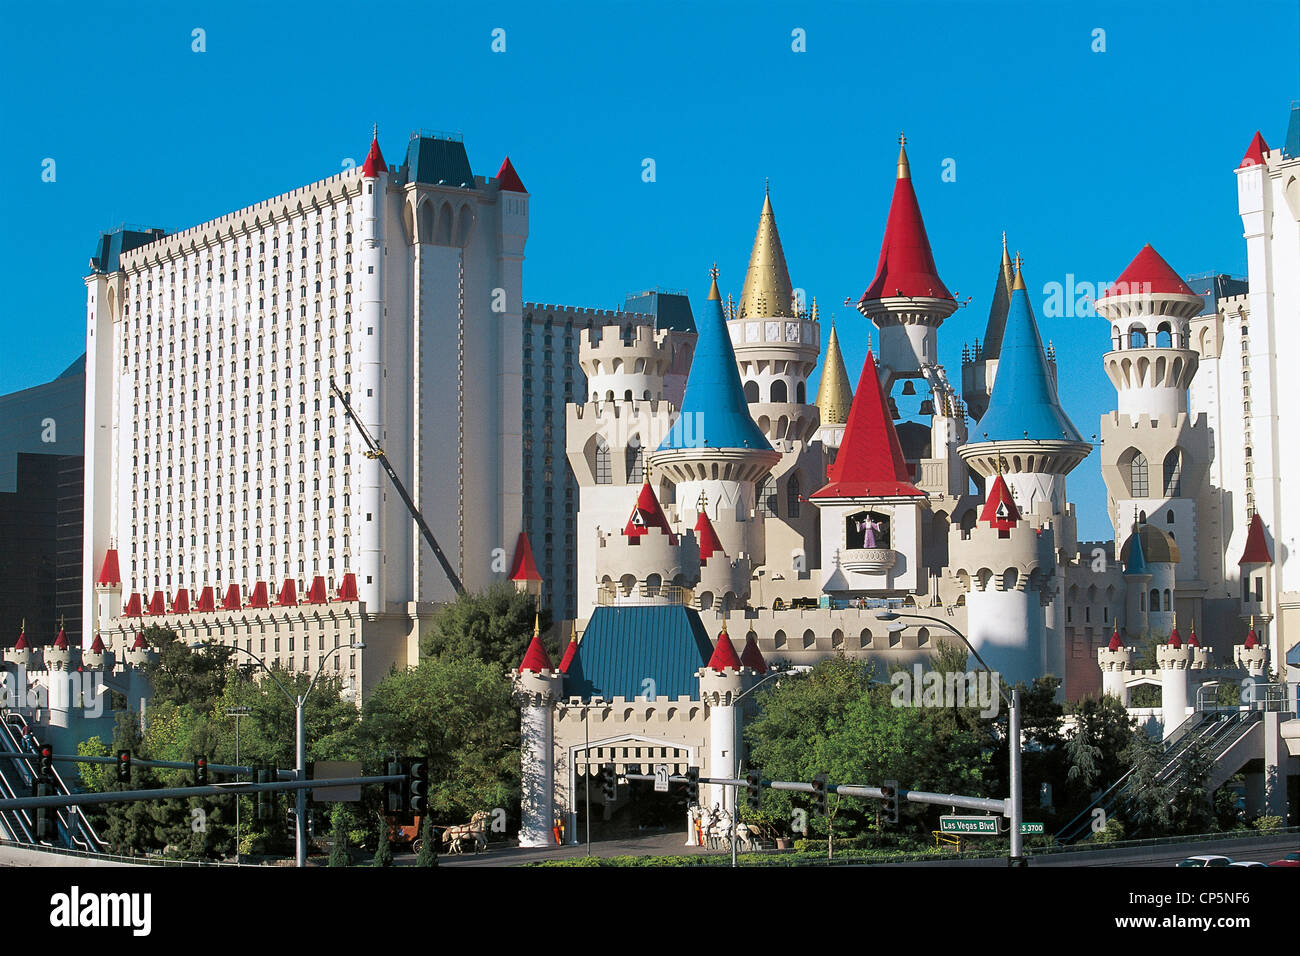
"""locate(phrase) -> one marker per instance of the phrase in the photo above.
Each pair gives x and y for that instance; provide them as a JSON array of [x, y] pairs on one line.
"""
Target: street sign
[[1031, 828], [337, 769], [968, 826], [661, 778]]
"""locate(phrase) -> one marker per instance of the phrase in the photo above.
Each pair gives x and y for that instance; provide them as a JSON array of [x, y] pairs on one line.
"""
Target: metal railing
[[645, 594]]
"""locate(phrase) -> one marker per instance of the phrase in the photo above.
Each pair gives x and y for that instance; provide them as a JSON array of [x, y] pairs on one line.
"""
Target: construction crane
[[376, 453]]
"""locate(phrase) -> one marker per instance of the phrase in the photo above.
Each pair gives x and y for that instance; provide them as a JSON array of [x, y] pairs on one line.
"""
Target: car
[[1246, 863], [1286, 861], [1207, 860]]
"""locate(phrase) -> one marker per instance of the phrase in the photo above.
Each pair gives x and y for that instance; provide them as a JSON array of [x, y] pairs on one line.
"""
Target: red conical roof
[[535, 658], [906, 266], [1191, 638], [132, 608], [96, 646], [348, 587], [232, 602], [374, 164], [724, 654], [182, 603], [569, 651], [61, 642], [157, 604], [288, 594], [140, 643], [707, 537], [1256, 550], [1149, 274], [1115, 643], [1000, 509], [524, 568], [751, 656], [1175, 640], [259, 596], [207, 599], [21, 643], [108, 572], [870, 461], [646, 515], [1251, 639], [1255, 152], [508, 179], [317, 594]]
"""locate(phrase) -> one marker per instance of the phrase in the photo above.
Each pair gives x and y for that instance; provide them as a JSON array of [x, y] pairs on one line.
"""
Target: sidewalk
[[654, 844]]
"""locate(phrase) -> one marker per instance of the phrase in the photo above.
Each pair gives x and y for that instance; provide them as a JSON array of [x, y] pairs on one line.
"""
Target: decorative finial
[[645, 470], [713, 272], [902, 140], [904, 170], [1004, 240], [767, 186], [374, 133], [702, 502]]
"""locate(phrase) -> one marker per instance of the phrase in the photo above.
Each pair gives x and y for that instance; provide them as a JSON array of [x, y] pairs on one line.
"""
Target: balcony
[[868, 560]]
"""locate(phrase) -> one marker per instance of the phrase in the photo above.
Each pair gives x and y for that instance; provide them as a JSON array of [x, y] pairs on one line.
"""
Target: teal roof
[[714, 411], [622, 647], [111, 245], [1137, 560], [1024, 403], [437, 160], [1291, 145]]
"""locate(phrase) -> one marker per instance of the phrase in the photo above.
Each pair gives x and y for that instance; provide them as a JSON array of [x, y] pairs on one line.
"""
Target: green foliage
[[341, 850], [1145, 695], [1112, 832], [457, 711], [428, 855], [384, 850], [1148, 811], [95, 776], [184, 676], [1266, 823], [494, 626], [834, 720], [1103, 730], [1193, 807]]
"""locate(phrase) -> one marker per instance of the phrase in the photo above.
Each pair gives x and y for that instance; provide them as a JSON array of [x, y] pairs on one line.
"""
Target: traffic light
[[47, 761], [890, 790], [752, 790], [819, 794], [394, 790], [44, 823], [265, 799], [200, 771], [692, 785], [124, 766], [608, 782], [418, 785]]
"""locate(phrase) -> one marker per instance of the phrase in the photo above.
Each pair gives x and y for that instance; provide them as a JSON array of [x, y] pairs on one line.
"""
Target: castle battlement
[[989, 554]]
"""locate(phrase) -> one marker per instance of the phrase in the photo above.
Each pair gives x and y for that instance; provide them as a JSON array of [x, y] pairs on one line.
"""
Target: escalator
[[72, 829], [1215, 731]]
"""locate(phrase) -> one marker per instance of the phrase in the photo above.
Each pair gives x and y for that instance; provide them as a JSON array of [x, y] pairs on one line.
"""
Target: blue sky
[[1080, 156]]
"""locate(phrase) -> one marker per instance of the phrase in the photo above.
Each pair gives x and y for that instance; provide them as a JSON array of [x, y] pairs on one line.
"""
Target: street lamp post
[[735, 788], [1016, 796], [237, 712], [300, 740]]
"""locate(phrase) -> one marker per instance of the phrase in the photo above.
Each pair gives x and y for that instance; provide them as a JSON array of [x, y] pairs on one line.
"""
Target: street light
[[300, 748], [1016, 798], [735, 790], [237, 712]]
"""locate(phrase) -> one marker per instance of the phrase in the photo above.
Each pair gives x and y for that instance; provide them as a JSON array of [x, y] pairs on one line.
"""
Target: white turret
[[645, 561], [1176, 661], [1116, 662], [721, 682], [367, 390], [537, 687]]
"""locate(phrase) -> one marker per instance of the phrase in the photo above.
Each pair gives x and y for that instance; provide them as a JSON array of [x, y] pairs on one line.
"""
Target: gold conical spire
[[713, 290], [1008, 271], [904, 170], [767, 291], [834, 396], [1019, 282]]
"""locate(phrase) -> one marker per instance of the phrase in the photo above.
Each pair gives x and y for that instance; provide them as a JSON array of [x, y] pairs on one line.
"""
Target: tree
[[1193, 805], [384, 849], [494, 626], [182, 675], [428, 855], [1147, 808], [1102, 732], [341, 850], [456, 710]]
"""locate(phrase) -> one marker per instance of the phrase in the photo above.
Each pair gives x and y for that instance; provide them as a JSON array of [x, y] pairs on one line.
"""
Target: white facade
[[219, 454]]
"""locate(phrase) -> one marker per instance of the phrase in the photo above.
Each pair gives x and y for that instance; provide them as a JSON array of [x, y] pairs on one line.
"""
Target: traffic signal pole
[[300, 821]]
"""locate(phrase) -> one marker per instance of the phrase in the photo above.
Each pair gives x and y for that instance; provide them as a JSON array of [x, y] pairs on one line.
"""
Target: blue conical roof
[[1137, 561], [1024, 402], [714, 411]]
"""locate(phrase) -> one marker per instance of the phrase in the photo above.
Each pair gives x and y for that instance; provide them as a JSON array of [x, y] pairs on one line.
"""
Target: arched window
[[634, 459], [801, 393], [604, 475], [1155, 601], [751, 392], [1174, 474], [779, 392], [792, 497], [1167, 603], [1138, 476], [766, 504]]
